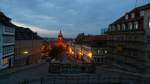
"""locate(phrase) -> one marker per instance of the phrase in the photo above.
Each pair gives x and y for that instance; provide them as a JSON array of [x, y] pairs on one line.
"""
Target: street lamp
[[27, 59], [90, 55], [26, 52]]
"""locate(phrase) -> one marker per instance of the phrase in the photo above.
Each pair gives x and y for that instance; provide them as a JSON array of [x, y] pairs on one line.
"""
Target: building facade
[[128, 40], [28, 47], [7, 42], [91, 48]]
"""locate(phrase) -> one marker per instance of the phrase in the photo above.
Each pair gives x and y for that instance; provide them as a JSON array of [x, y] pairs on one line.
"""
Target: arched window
[[135, 25], [132, 15], [126, 17]]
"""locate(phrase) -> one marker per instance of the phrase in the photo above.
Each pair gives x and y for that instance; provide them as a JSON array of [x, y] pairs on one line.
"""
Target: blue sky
[[47, 17]]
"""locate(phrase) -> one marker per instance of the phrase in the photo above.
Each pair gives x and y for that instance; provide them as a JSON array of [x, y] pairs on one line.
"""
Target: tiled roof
[[5, 20], [136, 10], [22, 33]]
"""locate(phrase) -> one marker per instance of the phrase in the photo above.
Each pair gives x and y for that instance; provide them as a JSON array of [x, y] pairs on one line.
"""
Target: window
[[106, 51], [135, 25], [149, 23], [130, 26], [98, 60], [118, 27], [98, 52], [132, 15], [123, 27], [149, 55], [7, 50], [113, 28], [5, 61], [148, 39], [110, 28], [9, 30], [142, 13], [8, 39], [126, 17]]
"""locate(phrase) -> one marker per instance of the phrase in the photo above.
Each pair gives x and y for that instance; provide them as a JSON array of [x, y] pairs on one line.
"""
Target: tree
[[56, 52]]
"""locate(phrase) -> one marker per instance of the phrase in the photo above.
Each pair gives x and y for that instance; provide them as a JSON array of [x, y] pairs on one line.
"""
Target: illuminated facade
[[92, 48], [60, 40]]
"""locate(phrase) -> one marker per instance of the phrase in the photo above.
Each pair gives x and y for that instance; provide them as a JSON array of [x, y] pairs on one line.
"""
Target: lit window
[[98, 52], [106, 51], [149, 23], [136, 25], [132, 15], [5, 61]]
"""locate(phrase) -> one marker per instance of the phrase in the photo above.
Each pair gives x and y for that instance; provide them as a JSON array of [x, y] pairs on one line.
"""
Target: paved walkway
[[32, 72], [35, 72]]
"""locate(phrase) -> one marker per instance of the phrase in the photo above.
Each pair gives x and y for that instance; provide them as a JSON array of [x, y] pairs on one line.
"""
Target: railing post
[[41, 80]]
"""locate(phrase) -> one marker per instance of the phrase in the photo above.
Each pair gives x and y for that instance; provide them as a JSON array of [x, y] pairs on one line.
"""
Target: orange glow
[[90, 54], [80, 53], [60, 40], [72, 52]]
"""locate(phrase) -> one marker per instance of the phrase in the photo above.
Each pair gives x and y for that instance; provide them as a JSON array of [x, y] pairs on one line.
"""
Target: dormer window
[[142, 13], [126, 17], [132, 15]]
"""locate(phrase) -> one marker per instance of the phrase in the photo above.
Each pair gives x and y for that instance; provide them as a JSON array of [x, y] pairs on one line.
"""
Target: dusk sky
[[47, 17]]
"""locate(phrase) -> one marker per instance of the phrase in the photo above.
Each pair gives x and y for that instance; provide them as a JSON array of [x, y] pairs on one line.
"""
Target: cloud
[[41, 31], [75, 16], [40, 17]]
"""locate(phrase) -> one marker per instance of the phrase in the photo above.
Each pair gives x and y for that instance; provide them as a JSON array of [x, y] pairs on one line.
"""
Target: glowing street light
[[26, 52], [80, 53], [72, 52], [90, 55]]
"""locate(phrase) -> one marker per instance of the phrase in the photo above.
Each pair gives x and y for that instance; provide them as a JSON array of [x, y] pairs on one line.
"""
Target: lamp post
[[26, 53]]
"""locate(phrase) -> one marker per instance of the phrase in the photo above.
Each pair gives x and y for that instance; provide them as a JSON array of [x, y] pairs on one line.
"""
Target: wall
[[27, 50]]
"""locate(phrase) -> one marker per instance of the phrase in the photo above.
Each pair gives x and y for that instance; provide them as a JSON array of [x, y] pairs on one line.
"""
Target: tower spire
[[60, 39]]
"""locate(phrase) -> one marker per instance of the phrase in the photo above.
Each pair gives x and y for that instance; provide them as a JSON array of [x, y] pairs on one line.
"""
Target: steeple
[[60, 34], [60, 39]]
